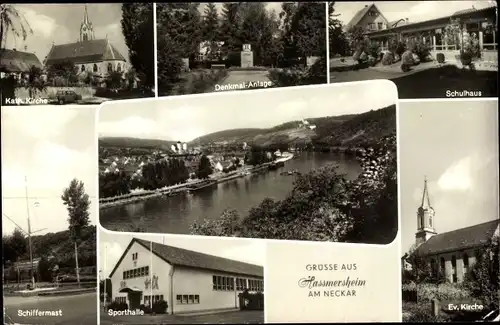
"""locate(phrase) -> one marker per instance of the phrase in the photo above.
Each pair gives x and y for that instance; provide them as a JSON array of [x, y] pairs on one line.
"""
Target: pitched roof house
[[12, 60]]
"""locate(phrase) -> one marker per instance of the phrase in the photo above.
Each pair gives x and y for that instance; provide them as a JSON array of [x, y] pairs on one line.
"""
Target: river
[[176, 213]]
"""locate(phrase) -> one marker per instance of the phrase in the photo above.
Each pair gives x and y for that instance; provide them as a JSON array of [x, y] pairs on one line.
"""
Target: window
[[214, 282], [465, 259], [147, 300], [83, 68], [454, 268], [442, 267], [119, 67], [224, 284], [121, 300], [371, 26], [372, 13], [187, 299], [380, 26], [134, 257], [95, 68], [124, 275], [110, 67], [430, 221], [137, 272]]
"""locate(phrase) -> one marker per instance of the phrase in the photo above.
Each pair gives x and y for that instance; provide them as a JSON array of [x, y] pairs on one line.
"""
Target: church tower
[[425, 218], [86, 29]]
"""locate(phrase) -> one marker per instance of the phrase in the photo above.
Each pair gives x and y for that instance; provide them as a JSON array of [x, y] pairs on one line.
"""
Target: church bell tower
[[86, 29], [425, 218]]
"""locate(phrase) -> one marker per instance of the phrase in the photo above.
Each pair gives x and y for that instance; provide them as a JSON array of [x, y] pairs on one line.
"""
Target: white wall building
[[189, 281]]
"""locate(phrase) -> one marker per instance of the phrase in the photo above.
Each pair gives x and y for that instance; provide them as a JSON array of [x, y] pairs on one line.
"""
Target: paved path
[[239, 77], [236, 317], [77, 310]]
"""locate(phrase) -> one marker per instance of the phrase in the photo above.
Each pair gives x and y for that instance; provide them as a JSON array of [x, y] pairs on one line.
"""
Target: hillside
[[61, 246], [343, 130], [126, 142], [361, 129]]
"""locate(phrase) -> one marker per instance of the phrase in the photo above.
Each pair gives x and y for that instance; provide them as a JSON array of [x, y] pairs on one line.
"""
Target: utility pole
[[29, 233]]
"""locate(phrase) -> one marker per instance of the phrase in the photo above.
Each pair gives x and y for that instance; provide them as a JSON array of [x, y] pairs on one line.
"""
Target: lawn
[[234, 317], [429, 83]]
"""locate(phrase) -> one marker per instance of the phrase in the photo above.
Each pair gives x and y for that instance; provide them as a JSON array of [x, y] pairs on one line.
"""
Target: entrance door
[[134, 299]]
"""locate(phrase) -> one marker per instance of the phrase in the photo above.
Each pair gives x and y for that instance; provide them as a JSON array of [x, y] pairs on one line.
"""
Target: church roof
[[17, 61], [468, 237], [183, 257], [84, 52]]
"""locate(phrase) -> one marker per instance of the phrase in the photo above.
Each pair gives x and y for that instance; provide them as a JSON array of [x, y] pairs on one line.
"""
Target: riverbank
[[179, 188]]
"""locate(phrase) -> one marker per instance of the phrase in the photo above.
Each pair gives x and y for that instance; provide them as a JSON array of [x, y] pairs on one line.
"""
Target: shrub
[[445, 291], [372, 61], [160, 307], [118, 306], [315, 74], [440, 57], [145, 309], [397, 47], [420, 49], [420, 313], [388, 58], [373, 49]]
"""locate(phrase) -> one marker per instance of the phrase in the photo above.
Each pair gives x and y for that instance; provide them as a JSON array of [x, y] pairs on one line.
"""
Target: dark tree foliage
[[62, 73], [138, 30], [77, 202], [114, 184], [204, 168], [337, 37], [211, 31], [14, 245], [164, 173]]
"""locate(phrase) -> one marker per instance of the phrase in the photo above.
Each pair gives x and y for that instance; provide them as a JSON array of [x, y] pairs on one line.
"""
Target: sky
[[60, 24], [112, 245], [187, 117], [415, 11], [50, 146], [455, 144]]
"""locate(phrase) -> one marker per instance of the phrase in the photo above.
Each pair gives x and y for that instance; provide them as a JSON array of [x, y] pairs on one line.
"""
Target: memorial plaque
[[246, 59], [247, 47], [310, 60]]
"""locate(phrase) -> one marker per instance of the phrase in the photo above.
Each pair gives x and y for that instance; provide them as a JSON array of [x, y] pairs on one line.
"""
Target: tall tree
[[210, 30], [179, 36], [336, 35], [77, 203], [11, 20], [204, 168], [138, 30], [14, 246], [309, 28], [230, 27]]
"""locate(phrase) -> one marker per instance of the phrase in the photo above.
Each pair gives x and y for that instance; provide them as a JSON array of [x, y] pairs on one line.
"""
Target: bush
[[445, 291], [372, 61], [466, 58], [160, 307], [146, 309], [420, 49], [315, 74], [388, 58], [420, 313], [397, 47], [440, 58], [373, 49]]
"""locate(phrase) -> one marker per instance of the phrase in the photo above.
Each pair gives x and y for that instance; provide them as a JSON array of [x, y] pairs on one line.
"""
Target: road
[[77, 309], [247, 77]]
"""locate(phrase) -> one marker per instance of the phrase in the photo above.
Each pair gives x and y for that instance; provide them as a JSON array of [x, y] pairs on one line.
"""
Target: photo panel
[[49, 190], [146, 279], [226, 46], [332, 283], [449, 210], [77, 53], [429, 49], [314, 163]]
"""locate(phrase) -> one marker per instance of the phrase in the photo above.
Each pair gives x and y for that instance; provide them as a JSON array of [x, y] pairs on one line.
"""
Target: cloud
[[130, 126], [111, 31], [43, 25], [461, 175], [35, 122], [54, 167]]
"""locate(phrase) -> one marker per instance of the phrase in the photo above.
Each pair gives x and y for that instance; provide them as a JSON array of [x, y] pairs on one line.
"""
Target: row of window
[[110, 69], [121, 300], [225, 283], [135, 273], [154, 298], [439, 269], [188, 299]]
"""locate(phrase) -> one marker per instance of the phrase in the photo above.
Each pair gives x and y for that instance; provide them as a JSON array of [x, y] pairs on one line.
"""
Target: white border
[[327, 43]]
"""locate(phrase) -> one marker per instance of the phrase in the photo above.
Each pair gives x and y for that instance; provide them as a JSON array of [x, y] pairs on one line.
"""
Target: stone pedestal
[[246, 59], [185, 64]]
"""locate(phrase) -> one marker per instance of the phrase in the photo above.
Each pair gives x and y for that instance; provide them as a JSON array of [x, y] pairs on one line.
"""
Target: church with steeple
[[90, 55], [450, 254]]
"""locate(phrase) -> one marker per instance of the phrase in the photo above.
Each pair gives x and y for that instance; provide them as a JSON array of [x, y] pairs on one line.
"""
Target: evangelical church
[[88, 54], [451, 253]]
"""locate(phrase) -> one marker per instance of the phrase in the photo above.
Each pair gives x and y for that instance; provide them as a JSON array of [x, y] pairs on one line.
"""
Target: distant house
[[452, 253], [188, 281], [17, 62], [477, 22]]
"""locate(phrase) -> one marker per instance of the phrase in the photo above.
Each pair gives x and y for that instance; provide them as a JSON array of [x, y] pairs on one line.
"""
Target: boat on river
[[201, 185], [290, 173]]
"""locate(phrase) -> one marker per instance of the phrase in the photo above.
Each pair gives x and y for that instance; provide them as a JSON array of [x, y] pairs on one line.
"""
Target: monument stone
[[247, 56]]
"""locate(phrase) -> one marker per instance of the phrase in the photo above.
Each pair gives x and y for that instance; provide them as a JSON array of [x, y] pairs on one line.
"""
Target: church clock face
[[84, 29]]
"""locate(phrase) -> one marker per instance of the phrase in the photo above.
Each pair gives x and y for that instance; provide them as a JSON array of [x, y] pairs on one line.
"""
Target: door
[[134, 299]]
